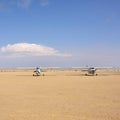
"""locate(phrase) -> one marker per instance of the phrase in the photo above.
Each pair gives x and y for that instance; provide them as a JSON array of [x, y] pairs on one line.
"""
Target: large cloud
[[28, 49]]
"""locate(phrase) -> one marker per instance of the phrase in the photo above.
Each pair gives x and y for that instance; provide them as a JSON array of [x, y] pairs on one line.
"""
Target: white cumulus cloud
[[28, 49]]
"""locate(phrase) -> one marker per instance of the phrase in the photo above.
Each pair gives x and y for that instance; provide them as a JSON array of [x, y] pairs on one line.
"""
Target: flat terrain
[[62, 94]]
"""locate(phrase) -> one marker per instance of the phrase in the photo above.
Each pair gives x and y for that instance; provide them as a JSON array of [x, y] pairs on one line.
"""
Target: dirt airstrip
[[61, 94]]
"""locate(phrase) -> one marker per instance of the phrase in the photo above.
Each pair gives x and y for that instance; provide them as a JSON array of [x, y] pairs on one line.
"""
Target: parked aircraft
[[91, 71], [37, 72]]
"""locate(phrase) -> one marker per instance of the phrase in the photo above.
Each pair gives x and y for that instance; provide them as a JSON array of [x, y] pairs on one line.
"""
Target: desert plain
[[61, 94]]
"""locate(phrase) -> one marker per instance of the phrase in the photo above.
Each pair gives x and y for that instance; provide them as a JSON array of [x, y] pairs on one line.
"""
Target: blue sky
[[59, 33]]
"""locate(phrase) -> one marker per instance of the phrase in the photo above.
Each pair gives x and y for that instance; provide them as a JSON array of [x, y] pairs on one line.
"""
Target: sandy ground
[[59, 95]]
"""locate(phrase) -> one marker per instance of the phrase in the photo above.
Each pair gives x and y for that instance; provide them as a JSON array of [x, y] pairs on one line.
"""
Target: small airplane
[[91, 71], [37, 72]]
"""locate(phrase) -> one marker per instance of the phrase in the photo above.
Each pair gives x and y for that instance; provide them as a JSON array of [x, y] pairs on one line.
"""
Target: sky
[[59, 33]]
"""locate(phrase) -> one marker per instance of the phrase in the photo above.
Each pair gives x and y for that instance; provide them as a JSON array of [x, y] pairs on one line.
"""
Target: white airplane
[[91, 71], [37, 72]]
